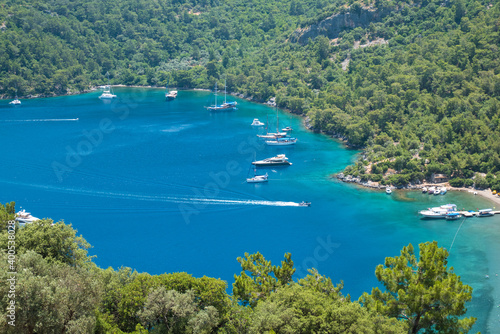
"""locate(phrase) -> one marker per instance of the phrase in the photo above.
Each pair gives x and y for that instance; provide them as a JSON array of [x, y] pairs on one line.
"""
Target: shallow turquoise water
[[160, 187]]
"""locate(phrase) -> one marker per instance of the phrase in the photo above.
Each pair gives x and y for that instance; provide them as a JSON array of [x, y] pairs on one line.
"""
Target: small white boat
[[305, 203], [388, 191], [170, 95], [485, 213], [443, 190], [15, 101], [424, 190], [256, 122], [287, 129], [257, 179], [107, 94], [431, 190], [284, 141], [25, 217]]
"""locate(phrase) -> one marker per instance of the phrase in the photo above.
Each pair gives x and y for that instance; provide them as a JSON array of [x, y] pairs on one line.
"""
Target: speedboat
[[485, 213], [256, 122], [305, 203], [25, 217], [257, 179], [279, 160], [388, 191], [285, 141], [287, 129], [171, 95]]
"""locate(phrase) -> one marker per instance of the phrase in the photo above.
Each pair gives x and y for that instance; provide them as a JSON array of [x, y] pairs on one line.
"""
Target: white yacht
[[256, 122], [279, 160], [438, 212], [25, 217]]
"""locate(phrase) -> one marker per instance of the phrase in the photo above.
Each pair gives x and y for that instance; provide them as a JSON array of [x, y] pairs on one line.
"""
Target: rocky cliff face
[[333, 25]]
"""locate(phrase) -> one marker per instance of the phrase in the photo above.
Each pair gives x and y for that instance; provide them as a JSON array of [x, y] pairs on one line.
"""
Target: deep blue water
[[160, 187]]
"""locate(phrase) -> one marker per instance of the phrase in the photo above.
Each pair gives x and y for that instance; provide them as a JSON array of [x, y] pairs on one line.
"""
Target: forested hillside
[[424, 100]]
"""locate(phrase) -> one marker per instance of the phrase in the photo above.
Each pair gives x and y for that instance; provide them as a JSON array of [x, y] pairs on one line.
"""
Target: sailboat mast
[[215, 93], [224, 91]]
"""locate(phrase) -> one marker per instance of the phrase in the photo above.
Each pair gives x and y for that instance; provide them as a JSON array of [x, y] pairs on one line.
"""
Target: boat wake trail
[[43, 120], [199, 201]]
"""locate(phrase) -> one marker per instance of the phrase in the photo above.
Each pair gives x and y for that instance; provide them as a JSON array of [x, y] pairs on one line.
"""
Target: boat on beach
[[279, 160]]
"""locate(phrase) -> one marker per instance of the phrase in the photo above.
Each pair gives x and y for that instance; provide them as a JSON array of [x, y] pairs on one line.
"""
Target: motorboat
[[431, 190], [452, 215], [284, 141], [279, 160], [388, 191], [305, 203], [256, 122], [258, 179], [438, 212], [443, 190], [25, 217], [287, 129], [424, 190], [15, 101], [485, 213]]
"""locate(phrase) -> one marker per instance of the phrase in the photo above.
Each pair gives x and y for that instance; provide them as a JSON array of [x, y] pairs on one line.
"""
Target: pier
[[476, 213]]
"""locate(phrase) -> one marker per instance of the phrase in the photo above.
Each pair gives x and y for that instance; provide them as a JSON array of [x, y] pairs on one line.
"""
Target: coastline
[[484, 193]]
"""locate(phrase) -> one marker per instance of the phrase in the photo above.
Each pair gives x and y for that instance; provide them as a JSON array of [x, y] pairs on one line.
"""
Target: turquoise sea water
[[160, 187]]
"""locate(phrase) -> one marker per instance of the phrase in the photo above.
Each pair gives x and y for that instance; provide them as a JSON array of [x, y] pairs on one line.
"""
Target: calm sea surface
[[160, 187]]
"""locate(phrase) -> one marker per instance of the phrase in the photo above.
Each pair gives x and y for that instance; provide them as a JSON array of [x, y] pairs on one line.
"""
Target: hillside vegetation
[[426, 102]]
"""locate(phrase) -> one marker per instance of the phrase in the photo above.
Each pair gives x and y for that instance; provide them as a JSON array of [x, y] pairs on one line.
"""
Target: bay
[[160, 187]]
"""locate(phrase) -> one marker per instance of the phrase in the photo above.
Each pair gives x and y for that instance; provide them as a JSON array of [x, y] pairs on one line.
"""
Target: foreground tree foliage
[[60, 290], [423, 292]]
